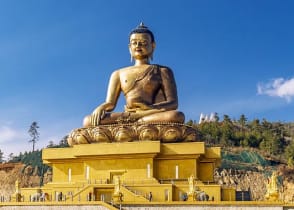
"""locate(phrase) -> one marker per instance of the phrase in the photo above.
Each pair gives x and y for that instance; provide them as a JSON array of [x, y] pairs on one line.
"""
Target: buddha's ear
[[153, 48], [130, 49], [153, 45], [131, 53]]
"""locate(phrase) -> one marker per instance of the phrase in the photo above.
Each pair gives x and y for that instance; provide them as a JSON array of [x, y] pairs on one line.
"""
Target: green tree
[[255, 133], [51, 144], [289, 151], [255, 126], [10, 157], [63, 142], [33, 132], [1, 156], [216, 117], [266, 125], [190, 123], [227, 119], [270, 143], [227, 131], [252, 140], [242, 121]]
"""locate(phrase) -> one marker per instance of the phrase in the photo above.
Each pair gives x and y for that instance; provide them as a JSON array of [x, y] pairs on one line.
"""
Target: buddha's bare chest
[[139, 79], [128, 78]]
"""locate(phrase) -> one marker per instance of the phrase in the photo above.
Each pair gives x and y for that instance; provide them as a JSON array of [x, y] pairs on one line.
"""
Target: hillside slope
[[27, 177]]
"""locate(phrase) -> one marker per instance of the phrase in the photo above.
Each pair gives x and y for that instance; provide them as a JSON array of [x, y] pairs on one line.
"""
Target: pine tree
[[1, 156], [33, 132]]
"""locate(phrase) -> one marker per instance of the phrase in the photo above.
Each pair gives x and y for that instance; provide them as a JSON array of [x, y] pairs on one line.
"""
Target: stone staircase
[[138, 195]]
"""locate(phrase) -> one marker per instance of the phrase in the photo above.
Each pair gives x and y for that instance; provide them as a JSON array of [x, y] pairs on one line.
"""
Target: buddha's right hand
[[97, 115]]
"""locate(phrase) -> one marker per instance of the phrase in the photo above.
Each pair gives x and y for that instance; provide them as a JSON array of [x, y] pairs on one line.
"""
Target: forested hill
[[273, 141]]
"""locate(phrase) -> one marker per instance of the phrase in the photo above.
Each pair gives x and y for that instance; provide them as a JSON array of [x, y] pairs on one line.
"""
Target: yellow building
[[130, 171]]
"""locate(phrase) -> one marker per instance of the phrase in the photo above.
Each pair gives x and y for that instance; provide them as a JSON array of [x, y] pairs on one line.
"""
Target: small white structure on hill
[[206, 118]]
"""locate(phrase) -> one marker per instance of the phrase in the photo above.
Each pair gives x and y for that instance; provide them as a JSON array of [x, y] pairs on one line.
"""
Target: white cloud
[[278, 87], [7, 134]]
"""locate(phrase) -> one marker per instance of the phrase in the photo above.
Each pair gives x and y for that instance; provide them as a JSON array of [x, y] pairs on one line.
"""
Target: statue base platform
[[141, 166], [165, 132]]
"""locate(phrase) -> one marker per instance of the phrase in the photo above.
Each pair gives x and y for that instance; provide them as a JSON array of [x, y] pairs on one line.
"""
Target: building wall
[[68, 171], [206, 171], [168, 169], [228, 194]]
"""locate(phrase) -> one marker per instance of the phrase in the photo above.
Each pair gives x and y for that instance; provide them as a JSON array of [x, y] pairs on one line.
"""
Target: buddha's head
[[142, 43]]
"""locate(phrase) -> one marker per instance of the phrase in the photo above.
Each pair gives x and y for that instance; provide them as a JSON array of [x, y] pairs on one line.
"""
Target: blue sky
[[56, 56]]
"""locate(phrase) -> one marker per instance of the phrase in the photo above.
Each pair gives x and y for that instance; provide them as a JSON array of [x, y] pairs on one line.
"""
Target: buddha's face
[[141, 46]]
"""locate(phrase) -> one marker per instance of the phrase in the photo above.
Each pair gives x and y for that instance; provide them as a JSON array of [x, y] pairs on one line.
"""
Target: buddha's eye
[[139, 43]]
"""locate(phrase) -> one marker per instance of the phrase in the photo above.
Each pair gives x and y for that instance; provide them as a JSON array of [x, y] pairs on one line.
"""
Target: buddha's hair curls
[[142, 29]]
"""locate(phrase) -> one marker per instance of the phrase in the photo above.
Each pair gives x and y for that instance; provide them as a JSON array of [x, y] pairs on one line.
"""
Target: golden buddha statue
[[191, 185], [150, 90], [272, 190], [151, 102]]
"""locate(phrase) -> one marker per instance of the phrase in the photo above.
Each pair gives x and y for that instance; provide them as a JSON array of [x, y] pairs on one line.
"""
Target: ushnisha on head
[[142, 44], [142, 29]]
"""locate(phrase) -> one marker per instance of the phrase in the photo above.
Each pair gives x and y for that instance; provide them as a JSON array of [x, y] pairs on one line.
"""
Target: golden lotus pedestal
[[127, 132], [97, 171]]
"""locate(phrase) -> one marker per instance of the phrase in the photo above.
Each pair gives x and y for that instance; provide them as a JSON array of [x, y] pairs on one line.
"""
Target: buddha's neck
[[141, 61]]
